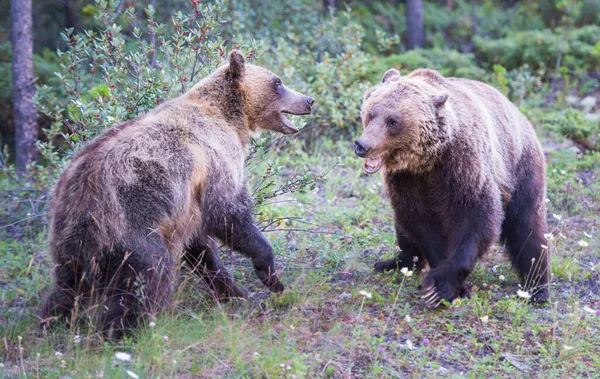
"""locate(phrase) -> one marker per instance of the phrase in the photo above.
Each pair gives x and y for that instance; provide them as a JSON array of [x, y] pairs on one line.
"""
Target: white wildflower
[[152, 324], [558, 217], [485, 319], [523, 294], [166, 338], [407, 318], [58, 354], [125, 357], [501, 277], [549, 236], [76, 339], [132, 374], [406, 271], [568, 347], [589, 310], [409, 345], [583, 243], [366, 294]]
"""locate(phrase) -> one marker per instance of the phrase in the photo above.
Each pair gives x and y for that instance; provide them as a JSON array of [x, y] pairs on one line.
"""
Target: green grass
[[322, 326]]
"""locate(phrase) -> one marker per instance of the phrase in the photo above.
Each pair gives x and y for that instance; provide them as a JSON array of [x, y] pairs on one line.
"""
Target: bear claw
[[431, 297]]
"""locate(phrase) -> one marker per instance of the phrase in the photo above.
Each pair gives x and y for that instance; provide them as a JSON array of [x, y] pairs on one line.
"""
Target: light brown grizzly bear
[[162, 187], [463, 168]]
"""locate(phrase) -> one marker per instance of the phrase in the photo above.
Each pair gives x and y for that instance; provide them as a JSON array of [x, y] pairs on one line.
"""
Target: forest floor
[[337, 318]]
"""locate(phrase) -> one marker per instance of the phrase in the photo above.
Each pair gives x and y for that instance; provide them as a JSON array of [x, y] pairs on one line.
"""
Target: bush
[[109, 76], [574, 124], [542, 49]]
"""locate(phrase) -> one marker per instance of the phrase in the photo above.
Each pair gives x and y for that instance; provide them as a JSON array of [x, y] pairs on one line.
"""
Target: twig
[[304, 230], [25, 219]]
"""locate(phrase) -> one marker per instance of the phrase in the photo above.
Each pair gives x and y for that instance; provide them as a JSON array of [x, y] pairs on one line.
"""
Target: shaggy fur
[[165, 186], [463, 168]]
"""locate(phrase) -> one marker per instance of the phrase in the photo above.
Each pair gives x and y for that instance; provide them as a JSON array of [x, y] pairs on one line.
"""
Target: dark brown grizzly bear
[[463, 168], [165, 186]]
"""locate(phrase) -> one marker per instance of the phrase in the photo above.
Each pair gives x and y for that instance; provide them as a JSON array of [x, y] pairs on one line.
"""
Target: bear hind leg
[[523, 233], [139, 284]]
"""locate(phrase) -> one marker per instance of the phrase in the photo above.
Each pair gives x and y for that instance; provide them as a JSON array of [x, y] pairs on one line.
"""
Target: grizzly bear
[[463, 168], [161, 188]]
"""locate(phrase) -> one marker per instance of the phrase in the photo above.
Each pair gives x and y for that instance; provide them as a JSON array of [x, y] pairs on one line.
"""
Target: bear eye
[[391, 123]]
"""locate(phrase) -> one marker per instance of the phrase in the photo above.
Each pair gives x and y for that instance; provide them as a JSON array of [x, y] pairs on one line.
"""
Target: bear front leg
[[409, 256], [447, 280], [240, 233], [203, 256]]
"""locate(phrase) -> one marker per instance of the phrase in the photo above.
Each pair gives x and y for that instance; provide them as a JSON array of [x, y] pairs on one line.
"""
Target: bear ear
[[439, 100], [391, 74], [236, 65]]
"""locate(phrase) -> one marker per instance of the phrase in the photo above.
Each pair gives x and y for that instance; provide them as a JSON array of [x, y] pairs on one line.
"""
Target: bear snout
[[360, 148]]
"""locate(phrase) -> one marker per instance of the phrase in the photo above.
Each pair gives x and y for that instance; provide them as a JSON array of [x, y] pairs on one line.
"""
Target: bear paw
[[437, 287], [541, 296], [433, 297], [276, 286], [387, 265]]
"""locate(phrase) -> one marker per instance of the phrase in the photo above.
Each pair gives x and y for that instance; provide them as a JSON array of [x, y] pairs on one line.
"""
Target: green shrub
[[543, 49], [574, 124], [380, 16], [109, 76]]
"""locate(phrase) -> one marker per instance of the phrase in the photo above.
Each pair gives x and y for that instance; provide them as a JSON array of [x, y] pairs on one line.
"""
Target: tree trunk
[[23, 88], [70, 17], [415, 35], [328, 6]]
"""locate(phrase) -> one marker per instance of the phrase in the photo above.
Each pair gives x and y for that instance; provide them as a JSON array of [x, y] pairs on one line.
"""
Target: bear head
[[264, 97], [405, 122]]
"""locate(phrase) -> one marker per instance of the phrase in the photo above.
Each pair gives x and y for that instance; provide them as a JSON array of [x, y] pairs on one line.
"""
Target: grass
[[323, 326]]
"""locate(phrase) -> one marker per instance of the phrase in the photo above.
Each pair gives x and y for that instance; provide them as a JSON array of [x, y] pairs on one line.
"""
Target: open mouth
[[372, 165], [289, 127]]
